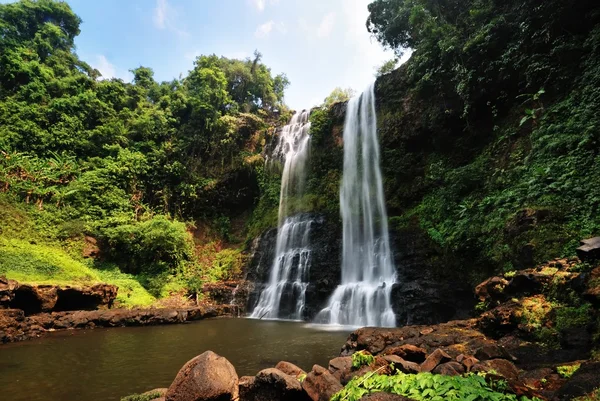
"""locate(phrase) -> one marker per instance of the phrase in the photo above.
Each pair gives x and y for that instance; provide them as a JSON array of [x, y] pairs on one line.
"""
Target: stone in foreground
[[321, 385], [207, 377], [272, 384]]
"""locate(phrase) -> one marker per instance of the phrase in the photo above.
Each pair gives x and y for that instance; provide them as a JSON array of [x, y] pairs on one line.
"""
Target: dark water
[[105, 364]]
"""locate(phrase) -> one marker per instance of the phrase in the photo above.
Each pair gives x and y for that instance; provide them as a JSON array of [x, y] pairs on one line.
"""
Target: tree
[[339, 95], [386, 67]]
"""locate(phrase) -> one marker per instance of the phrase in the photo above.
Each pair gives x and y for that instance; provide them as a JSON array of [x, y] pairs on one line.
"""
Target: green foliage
[[494, 166], [362, 358], [425, 386], [142, 397], [568, 370], [569, 317], [153, 246], [85, 152], [338, 95], [22, 261], [386, 67]]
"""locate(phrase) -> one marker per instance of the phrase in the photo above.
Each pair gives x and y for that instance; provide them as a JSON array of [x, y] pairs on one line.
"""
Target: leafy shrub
[[425, 387], [362, 358], [151, 247]]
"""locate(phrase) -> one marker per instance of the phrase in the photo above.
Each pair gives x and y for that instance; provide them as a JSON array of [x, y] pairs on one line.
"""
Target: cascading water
[[284, 295], [363, 297]]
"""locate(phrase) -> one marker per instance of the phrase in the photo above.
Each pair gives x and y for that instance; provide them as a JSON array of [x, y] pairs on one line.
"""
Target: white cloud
[[326, 25], [265, 29], [165, 17], [106, 68], [261, 4], [160, 13]]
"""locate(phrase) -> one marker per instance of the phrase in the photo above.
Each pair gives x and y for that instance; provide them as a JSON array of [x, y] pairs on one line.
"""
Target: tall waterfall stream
[[363, 297]]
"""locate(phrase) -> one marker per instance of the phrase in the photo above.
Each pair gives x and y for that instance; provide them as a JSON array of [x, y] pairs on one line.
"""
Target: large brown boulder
[[502, 367], [341, 368], [320, 385], [449, 369], [408, 352], [207, 377], [290, 369], [272, 384], [436, 358], [402, 365], [583, 382]]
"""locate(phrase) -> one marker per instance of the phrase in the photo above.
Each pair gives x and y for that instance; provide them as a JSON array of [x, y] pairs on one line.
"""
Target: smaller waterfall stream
[[364, 296], [284, 295]]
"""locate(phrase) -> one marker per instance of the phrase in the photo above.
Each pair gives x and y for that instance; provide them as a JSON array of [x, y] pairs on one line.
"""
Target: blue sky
[[319, 44]]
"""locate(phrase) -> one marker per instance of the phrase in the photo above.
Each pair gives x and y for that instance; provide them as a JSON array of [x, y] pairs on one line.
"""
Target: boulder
[[320, 385], [455, 337], [437, 357], [467, 361], [341, 368], [583, 382], [502, 367], [491, 290], [272, 384], [589, 251], [592, 290], [449, 369], [408, 352], [245, 385], [207, 377], [492, 351], [527, 282], [7, 291], [290, 369], [403, 365]]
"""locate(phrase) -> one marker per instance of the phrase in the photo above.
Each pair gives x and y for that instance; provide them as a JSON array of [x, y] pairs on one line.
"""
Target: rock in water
[[207, 377]]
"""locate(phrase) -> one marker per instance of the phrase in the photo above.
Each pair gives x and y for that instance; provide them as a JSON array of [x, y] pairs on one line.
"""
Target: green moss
[[142, 397], [568, 370]]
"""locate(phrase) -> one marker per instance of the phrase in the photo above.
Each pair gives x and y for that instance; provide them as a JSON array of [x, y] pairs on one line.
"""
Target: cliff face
[[474, 188]]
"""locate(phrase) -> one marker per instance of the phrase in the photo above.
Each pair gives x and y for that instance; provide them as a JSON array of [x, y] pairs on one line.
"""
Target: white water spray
[[363, 297], [284, 295]]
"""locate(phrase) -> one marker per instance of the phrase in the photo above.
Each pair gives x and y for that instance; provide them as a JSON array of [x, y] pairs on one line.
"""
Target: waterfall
[[363, 297], [284, 295]]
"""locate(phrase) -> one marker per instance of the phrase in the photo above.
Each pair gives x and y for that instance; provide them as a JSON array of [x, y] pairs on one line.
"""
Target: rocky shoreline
[[536, 336], [15, 326], [30, 311]]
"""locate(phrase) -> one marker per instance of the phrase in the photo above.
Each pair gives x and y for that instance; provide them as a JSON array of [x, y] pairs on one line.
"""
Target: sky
[[318, 44]]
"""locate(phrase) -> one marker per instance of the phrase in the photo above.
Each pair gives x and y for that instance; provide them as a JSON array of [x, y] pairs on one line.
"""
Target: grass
[[49, 264]]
